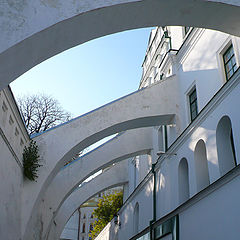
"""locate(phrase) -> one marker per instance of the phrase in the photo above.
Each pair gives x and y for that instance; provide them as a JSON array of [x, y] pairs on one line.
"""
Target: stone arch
[[115, 176], [183, 180], [126, 113], [225, 145], [201, 165], [136, 219], [121, 147], [38, 37]]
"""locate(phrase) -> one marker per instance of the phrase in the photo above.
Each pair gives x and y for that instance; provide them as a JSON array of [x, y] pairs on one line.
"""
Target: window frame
[[225, 62], [193, 89], [185, 31]]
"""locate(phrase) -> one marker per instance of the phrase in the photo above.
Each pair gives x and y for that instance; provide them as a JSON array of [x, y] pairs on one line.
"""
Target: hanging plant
[[31, 160]]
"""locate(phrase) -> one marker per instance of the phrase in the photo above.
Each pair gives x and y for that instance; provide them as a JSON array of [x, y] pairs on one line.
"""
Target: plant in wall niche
[[31, 161]]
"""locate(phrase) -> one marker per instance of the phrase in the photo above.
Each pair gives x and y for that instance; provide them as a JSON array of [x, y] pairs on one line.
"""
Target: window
[[193, 104], [229, 61], [83, 228], [165, 134]]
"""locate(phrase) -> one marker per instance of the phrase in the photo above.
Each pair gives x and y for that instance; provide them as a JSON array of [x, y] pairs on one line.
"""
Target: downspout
[[152, 235], [79, 222]]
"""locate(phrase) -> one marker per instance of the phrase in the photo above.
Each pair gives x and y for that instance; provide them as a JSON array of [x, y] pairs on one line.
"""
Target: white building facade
[[186, 187]]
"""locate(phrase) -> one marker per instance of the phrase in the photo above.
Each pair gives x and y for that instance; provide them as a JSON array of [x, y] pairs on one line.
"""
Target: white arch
[[201, 165], [115, 176], [183, 180], [58, 145], [131, 143], [37, 30]]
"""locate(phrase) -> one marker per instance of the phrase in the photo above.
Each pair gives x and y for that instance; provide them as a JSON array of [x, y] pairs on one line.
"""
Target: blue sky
[[89, 75]]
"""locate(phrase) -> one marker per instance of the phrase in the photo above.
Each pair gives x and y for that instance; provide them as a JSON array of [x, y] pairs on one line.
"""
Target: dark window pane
[[193, 104], [229, 62]]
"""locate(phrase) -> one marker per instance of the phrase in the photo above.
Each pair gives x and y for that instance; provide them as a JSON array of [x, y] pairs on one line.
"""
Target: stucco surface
[[115, 176], [10, 200]]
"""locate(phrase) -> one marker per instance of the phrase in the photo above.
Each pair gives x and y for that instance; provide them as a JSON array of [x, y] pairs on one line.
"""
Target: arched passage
[[201, 165], [183, 180], [115, 176], [136, 219], [131, 143], [225, 145], [37, 30]]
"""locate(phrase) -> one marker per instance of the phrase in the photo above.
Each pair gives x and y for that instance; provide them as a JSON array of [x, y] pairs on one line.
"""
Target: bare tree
[[41, 112]]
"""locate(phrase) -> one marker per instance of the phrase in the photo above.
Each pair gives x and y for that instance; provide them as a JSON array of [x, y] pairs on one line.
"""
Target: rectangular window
[[165, 138], [193, 104], [229, 62]]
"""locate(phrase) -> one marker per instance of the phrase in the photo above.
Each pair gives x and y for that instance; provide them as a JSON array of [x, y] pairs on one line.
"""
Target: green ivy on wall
[[31, 160]]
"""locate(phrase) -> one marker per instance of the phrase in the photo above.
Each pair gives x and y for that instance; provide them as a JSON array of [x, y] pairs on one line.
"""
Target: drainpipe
[[152, 237], [79, 222]]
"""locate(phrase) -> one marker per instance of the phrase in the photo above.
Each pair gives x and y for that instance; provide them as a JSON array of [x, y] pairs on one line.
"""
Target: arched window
[[201, 165], [136, 219], [83, 228], [84, 216], [183, 181], [91, 215], [225, 145]]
